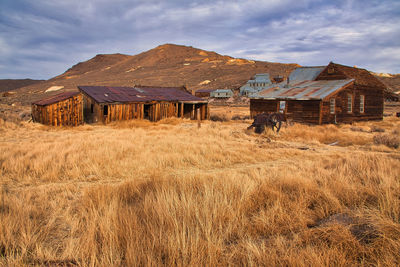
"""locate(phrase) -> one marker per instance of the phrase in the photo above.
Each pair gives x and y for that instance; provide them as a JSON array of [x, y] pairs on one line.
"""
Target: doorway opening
[[146, 112]]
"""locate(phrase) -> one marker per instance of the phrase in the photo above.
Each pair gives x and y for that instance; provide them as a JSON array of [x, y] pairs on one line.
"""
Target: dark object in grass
[[273, 120]]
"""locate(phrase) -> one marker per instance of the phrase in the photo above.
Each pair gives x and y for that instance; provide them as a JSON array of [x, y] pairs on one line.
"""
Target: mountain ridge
[[164, 65]]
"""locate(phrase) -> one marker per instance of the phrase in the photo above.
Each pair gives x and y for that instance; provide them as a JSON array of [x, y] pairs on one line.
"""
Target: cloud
[[41, 39]]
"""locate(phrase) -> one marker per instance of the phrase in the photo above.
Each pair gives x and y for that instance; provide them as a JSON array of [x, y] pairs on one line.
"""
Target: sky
[[40, 39]]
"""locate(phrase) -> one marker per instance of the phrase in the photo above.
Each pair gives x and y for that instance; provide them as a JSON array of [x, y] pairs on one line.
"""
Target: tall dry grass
[[170, 193]]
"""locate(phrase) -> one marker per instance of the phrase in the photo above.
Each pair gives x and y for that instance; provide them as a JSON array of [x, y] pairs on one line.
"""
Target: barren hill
[[11, 84], [391, 80], [165, 65]]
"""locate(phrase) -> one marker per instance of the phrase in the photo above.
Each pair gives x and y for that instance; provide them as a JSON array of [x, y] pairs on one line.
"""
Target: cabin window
[[332, 106], [105, 111], [362, 101], [349, 103], [282, 106], [91, 108]]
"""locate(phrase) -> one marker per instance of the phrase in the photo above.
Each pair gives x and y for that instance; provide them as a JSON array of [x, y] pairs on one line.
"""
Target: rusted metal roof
[[55, 98], [304, 90], [107, 94], [361, 76]]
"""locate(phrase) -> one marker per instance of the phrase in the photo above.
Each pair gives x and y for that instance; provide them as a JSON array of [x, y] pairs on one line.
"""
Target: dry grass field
[[170, 193]]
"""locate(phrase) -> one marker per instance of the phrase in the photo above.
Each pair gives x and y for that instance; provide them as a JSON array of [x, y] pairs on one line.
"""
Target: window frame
[[282, 106], [332, 106], [362, 103], [350, 103]]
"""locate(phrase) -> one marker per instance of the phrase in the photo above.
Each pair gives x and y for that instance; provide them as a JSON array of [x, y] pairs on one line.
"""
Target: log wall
[[258, 106], [67, 112], [307, 111], [373, 105], [296, 110]]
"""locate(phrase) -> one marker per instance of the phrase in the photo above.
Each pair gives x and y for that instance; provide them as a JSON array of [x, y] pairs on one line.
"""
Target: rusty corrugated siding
[[304, 90]]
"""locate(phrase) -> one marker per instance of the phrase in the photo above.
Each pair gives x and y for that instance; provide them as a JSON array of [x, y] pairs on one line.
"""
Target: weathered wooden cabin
[[63, 109], [205, 93], [106, 104], [331, 94]]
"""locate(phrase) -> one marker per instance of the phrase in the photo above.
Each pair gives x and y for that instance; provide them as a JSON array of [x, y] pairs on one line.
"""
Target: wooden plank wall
[[88, 115], [157, 111], [118, 112], [68, 112], [296, 110], [373, 105], [258, 106], [307, 111]]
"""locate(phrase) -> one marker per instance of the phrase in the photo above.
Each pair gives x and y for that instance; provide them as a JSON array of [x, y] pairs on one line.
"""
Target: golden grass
[[170, 193]]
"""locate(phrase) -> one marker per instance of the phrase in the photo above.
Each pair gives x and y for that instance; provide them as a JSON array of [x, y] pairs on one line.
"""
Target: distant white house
[[259, 82], [221, 93]]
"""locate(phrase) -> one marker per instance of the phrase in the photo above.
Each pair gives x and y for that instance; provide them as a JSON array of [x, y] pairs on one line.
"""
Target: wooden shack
[[335, 94], [205, 93], [63, 109], [106, 104]]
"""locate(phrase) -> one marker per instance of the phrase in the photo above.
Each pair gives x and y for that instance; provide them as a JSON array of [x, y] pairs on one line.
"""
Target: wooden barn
[[330, 94], [106, 104], [204, 93], [65, 109]]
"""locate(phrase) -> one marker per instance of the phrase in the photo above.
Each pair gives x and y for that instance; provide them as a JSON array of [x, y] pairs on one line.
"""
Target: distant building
[[392, 96], [328, 94], [204, 93], [221, 93], [259, 82]]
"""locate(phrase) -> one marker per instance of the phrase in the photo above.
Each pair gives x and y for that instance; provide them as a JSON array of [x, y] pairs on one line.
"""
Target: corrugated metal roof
[[305, 73], [55, 98], [223, 91], [303, 90], [107, 94]]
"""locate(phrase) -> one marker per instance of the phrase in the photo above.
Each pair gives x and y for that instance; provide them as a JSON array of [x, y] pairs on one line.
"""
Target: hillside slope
[[391, 80], [165, 65], [11, 84]]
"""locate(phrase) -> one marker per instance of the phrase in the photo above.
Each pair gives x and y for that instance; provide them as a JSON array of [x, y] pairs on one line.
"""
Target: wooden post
[[59, 114], [198, 118], [320, 113], [182, 106]]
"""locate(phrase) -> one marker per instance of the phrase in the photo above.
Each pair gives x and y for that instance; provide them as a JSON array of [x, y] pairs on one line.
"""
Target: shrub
[[237, 118], [377, 129], [358, 129], [389, 140], [219, 117]]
